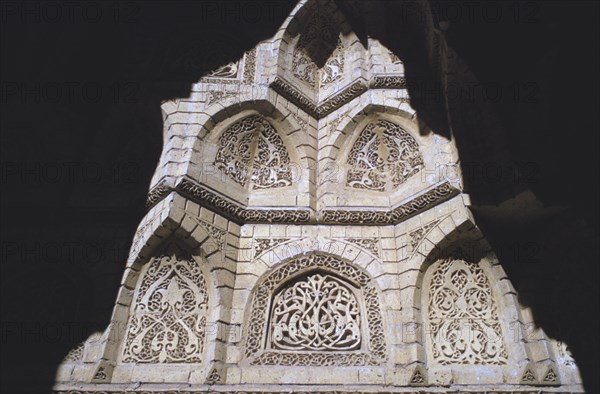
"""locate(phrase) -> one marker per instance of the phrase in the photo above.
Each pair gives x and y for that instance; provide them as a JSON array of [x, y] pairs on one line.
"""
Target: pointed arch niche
[[385, 156], [251, 153], [248, 155], [462, 325]]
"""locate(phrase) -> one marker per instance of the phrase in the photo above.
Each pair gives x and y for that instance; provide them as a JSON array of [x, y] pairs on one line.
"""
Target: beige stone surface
[[251, 187]]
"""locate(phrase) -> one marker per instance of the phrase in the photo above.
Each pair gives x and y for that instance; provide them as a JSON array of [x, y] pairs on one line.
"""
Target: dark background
[[82, 133]]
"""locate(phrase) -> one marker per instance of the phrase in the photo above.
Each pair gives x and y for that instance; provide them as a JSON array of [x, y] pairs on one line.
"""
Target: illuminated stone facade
[[305, 232]]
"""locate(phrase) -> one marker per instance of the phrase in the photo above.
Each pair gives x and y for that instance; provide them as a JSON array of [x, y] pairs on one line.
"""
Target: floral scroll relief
[[370, 244], [261, 347], [168, 317], [383, 157], [318, 59], [463, 316], [318, 312], [251, 150]]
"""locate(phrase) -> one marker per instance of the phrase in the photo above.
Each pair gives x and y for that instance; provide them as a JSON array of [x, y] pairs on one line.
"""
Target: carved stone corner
[[550, 377], [418, 377], [214, 377], [388, 82], [103, 373], [157, 193], [319, 110], [528, 376]]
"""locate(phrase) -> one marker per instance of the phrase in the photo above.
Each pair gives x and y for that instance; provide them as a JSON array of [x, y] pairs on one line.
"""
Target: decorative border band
[[238, 213], [346, 95], [388, 82], [424, 201], [291, 93], [328, 106], [229, 209], [157, 193], [241, 215]]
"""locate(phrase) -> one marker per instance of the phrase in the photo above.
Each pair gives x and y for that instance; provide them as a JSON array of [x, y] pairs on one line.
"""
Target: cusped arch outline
[[256, 350]]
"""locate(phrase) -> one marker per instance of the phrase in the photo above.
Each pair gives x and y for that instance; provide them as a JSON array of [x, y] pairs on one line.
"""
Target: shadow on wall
[[514, 140], [552, 263]]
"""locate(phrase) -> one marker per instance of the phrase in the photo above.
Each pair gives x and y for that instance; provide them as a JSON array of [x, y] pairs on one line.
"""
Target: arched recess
[[286, 297], [357, 113], [247, 148], [462, 282], [207, 168], [383, 156], [318, 52], [432, 163], [175, 241]]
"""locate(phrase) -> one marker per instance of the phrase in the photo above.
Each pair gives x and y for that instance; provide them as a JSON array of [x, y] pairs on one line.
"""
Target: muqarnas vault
[[313, 237]]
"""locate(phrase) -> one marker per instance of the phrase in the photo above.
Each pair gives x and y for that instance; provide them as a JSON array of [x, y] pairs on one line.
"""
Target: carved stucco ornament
[[251, 151]]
